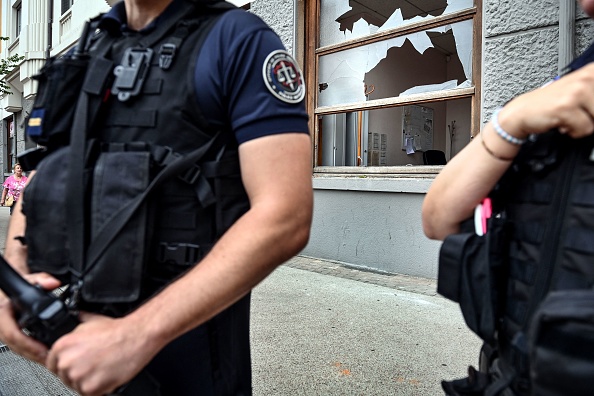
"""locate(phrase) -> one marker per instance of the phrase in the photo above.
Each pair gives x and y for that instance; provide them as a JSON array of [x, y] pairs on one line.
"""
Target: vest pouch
[[561, 342], [43, 205], [60, 82], [115, 277], [469, 274]]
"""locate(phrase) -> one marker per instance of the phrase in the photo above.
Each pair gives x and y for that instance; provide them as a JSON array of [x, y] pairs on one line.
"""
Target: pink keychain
[[482, 212]]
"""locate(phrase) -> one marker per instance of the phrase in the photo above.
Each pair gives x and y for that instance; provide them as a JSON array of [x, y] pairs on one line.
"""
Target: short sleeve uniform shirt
[[244, 77]]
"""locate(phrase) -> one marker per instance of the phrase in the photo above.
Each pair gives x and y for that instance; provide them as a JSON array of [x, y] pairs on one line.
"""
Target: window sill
[[396, 179], [403, 171], [14, 45]]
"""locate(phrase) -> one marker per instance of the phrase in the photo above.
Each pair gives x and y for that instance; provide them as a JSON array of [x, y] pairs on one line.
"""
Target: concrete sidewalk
[[322, 328], [318, 334]]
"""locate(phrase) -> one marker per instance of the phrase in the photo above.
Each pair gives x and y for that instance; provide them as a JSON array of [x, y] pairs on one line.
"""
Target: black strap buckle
[[191, 175], [182, 254], [74, 295], [163, 156], [166, 55]]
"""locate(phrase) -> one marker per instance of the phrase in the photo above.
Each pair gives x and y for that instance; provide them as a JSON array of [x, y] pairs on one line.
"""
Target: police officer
[[520, 276], [245, 81]]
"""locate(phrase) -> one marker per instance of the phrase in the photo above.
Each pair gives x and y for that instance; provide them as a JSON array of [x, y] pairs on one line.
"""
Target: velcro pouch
[[118, 179], [469, 274], [561, 342], [43, 204], [60, 82]]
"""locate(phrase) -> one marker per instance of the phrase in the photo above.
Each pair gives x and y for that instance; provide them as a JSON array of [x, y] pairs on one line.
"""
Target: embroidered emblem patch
[[283, 77]]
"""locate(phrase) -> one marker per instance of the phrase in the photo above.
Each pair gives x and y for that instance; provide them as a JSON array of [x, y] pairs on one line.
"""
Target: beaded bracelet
[[504, 135], [491, 153]]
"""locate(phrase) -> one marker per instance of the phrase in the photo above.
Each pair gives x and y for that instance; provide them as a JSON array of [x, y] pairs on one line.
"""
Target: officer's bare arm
[[461, 185], [14, 251]]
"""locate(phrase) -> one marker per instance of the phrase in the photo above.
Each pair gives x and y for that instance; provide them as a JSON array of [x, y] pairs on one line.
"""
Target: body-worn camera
[[46, 318]]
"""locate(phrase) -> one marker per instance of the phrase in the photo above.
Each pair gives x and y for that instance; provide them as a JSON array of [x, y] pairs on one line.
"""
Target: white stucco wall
[[373, 224]]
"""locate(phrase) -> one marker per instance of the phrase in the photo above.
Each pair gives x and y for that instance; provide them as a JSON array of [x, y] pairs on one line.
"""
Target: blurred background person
[[13, 186]]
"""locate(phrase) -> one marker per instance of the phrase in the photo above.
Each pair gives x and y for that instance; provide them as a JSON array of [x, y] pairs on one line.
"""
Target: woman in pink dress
[[13, 186]]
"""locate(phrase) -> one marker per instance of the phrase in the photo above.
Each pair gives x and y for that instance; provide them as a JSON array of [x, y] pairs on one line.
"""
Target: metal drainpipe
[[50, 22], [567, 14], [295, 21]]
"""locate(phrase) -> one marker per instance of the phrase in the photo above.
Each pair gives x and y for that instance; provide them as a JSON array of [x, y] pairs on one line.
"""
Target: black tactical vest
[[142, 116]]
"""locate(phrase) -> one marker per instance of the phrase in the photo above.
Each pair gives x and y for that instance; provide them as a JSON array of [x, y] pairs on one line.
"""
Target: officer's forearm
[[459, 187], [14, 251]]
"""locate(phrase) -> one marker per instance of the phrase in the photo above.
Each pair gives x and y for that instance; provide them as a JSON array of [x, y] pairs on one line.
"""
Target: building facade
[[395, 89]]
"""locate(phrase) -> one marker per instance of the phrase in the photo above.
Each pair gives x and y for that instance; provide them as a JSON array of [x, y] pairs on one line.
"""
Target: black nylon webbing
[[523, 271], [118, 221], [580, 240], [537, 192], [138, 118], [529, 231], [75, 187], [584, 195]]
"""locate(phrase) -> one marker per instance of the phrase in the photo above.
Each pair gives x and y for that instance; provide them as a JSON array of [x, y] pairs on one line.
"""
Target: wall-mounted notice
[[417, 128], [378, 145]]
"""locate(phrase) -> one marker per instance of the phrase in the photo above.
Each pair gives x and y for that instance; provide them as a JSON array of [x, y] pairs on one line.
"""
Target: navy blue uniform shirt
[[243, 77]]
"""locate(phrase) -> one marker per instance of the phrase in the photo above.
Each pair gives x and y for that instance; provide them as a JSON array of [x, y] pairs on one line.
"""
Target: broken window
[[430, 60], [394, 80], [342, 20]]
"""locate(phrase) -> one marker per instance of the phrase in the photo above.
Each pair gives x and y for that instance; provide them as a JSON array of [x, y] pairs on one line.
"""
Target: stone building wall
[[521, 47], [280, 16]]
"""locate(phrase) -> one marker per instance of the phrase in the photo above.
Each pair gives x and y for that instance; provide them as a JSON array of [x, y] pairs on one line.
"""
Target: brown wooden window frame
[[312, 54]]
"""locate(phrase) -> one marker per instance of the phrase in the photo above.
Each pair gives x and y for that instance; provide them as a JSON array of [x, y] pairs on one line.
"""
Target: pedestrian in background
[[13, 186]]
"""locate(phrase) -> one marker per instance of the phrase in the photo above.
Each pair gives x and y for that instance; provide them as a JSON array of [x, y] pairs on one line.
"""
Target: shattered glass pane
[[431, 60], [342, 20], [394, 136]]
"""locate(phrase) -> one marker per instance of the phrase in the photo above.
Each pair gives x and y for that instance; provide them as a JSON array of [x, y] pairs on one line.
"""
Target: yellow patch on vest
[[34, 122]]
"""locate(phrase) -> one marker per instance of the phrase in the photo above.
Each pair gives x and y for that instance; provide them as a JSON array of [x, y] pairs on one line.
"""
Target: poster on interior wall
[[417, 128], [378, 146]]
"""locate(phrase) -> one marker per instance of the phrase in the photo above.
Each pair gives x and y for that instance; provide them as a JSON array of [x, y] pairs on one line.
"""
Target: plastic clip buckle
[[166, 55], [182, 254], [191, 175], [74, 297]]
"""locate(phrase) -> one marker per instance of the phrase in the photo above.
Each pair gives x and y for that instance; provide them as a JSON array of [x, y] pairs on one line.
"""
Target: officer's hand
[[566, 104], [10, 332], [99, 356]]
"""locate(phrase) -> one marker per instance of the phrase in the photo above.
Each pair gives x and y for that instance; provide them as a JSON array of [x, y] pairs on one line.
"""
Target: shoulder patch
[[283, 77]]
